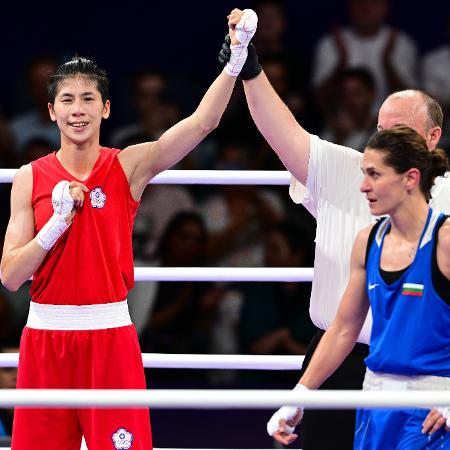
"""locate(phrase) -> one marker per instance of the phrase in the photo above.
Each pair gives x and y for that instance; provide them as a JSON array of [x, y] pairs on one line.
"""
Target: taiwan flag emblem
[[416, 290]]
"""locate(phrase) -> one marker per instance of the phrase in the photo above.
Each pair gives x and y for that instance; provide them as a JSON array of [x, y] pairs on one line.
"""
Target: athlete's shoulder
[[22, 184], [363, 235], [24, 174]]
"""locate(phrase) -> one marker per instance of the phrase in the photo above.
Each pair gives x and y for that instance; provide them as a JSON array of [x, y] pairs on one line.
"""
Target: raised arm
[[143, 161], [22, 255], [336, 343], [278, 126], [272, 117]]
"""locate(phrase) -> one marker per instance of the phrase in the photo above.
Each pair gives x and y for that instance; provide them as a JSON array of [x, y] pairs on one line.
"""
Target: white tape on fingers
[[245, 30], [62, 201], [286, 413], [246, 27]]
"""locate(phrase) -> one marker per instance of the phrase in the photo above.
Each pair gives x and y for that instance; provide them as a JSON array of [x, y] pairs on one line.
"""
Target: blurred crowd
[[336, 95]]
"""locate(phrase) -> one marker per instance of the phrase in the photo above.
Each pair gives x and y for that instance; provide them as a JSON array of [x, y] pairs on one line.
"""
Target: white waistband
[[86, 317], [377, 381]]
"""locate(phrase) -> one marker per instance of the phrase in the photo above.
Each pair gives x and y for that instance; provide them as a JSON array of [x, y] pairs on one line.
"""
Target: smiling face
[[385, 189], [78, 110]]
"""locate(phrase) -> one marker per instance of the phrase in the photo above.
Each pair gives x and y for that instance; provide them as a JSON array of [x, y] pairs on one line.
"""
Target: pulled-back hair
[[405, 149], [79, 66]]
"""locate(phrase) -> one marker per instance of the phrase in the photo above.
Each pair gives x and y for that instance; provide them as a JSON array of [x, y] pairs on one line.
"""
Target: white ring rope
[[192, 361], [288, 274], [213, 273], [220, 399], [284, 274], [242, 177]]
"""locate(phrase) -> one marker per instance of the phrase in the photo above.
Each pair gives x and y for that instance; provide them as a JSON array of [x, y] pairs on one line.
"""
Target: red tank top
[[92, 262]]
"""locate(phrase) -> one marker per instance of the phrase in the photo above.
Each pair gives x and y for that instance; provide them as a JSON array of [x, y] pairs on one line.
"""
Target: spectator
[[236, 216], [36, 122], [368, 42], [352, 121], [179, 317], [155, 113], [275, 317]]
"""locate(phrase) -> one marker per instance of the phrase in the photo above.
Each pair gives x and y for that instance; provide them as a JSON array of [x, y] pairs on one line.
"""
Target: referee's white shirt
[[332, 196]]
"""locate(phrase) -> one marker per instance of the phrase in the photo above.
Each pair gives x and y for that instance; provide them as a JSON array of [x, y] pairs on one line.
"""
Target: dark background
[[182, 38]]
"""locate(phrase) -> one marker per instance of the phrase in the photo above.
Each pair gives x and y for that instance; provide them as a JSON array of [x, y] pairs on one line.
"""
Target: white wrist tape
[[245, 30], [63, 204], [445, 411], [286, 413]]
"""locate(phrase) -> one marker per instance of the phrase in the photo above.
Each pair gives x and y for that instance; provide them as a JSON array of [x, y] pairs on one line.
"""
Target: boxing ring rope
[[219, 399], [215, 399], [243, 177], [167, 448], [287, 274], [194, 361]]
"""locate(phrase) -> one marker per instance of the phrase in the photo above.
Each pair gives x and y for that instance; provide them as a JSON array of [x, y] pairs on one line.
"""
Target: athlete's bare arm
[[22, 255], [339, 339], [274, 120], [278, 126], [142, 162]]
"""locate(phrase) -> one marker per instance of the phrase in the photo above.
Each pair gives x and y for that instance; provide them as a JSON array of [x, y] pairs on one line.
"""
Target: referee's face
[[409, 111]]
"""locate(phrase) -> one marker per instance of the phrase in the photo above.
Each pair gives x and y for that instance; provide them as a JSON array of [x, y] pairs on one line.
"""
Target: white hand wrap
[[245, 30], [62, 203], [445, 411], [286, 413]]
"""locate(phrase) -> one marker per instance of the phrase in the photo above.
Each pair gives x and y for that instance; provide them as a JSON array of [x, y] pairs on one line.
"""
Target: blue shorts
[[399, 429]]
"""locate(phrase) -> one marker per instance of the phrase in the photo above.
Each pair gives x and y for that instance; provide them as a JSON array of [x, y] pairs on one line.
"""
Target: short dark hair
[[75, 67], [405, 149], [360, 73]]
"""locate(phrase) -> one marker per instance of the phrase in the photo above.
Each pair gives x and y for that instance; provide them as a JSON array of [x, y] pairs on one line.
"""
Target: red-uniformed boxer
[[72, 216]]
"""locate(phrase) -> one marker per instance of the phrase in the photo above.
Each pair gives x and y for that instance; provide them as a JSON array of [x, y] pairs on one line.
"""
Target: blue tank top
[[411, 323]]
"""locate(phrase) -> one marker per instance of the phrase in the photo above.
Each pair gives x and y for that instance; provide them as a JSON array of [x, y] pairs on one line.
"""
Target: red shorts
[[89, 359]]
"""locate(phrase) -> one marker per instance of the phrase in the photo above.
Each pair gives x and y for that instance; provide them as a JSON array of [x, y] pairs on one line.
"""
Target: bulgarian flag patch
[[413, 289]]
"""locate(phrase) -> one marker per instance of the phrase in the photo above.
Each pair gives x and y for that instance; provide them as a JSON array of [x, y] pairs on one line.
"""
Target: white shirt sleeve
[[440, 194], [332, 169]]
